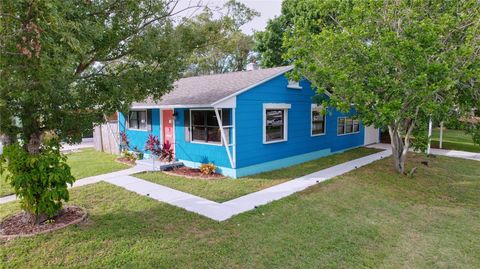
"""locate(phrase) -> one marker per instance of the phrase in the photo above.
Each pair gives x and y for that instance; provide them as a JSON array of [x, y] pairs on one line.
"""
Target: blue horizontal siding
[[194, 152], [138, 138], [251, 150]]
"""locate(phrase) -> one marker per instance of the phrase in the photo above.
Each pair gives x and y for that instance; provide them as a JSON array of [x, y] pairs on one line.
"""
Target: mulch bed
[[192, 173], [20, 225], [125, 161]]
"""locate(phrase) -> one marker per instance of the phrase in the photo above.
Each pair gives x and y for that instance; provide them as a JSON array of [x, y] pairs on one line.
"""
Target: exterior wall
[[138, 138], [251, 151], [196, 152], [252, 155]]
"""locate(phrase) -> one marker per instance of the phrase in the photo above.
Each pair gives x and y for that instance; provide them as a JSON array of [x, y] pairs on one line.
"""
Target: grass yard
[[370, 217], [84, 163], [454, 139], [221, 190]]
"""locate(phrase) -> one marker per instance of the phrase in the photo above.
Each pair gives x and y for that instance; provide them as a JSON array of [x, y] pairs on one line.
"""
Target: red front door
[[167, 127]]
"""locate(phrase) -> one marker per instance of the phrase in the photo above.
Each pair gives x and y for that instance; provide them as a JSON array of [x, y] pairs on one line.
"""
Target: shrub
[[124, 142], [167, 152], [39, 180], [129, 156], [153, 145], [208, 168]]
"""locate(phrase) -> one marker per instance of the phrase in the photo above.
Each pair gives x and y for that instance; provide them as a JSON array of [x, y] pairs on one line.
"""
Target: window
[[347, 126], [275, 119], [140, 120], [205, 126], [318, 121]]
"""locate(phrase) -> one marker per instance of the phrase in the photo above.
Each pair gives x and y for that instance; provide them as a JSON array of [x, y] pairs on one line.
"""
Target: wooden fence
[[106, 137]]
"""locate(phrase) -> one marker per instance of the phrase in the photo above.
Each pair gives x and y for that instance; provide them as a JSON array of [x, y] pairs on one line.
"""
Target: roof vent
[[252, 66]]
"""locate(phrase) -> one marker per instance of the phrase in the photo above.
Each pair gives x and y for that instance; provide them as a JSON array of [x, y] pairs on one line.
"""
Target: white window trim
[[345, 126], [136, 129], [280, 106], [317, 107], [191, 129]]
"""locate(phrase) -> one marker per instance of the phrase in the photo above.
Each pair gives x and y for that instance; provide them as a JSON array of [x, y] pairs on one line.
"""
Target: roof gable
[[210, 89]]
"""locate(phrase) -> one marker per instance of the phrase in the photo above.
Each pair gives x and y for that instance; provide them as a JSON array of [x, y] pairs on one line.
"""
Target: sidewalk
[[86, 143], [442, 152], [214, 210]]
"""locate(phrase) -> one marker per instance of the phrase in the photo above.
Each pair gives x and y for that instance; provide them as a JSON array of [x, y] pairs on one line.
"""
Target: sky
[[267, 8]]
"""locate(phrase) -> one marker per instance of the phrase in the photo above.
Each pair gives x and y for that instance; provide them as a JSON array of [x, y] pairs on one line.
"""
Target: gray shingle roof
[[206, 90]]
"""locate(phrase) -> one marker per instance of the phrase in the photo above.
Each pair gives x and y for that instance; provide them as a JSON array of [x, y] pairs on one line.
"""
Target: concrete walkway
[[214, 210], [224, 211], [442, 152]]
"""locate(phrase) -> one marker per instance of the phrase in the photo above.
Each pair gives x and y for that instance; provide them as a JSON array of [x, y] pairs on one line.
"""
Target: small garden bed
[[124, 160], [192, 173], [20, 224]]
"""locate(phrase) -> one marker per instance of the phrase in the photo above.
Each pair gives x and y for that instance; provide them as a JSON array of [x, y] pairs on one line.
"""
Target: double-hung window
[[139, 120], [318, 120], [347, 126], [275, 123]]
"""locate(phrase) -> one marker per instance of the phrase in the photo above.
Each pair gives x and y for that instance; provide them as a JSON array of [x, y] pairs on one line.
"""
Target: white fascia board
[[276, 106], [252, 86], [168, 106]]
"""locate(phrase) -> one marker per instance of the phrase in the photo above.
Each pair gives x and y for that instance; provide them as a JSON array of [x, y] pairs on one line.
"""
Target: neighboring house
[[244, 122]]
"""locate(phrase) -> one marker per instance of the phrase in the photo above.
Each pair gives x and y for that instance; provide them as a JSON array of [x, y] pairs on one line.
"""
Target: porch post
[[234, 138], [441, 134], [429, 135], [224, 138]]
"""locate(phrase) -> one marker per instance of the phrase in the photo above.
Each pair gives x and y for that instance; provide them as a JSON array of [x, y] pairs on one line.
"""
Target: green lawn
[[84, 163], [222, 190], [370, 217], [454, 139]]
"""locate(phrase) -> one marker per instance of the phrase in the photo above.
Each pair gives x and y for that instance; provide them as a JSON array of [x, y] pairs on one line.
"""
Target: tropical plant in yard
[[64, 65], [153, 145], [208, 168], [129, 156], [167, 152], [400, 63], [124, 141], [40, 180]]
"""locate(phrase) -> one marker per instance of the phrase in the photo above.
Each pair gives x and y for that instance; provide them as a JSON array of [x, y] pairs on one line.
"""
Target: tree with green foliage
[[400, 63], [226, 48], [66, 64], [269, 43]]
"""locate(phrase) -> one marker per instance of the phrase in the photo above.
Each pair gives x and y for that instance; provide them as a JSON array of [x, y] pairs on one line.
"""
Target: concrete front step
[[158, 165]]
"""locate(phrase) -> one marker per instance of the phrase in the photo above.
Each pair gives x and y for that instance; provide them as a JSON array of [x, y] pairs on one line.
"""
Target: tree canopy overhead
[[66, 63], [226, 48], [399, 63], [269, 42]]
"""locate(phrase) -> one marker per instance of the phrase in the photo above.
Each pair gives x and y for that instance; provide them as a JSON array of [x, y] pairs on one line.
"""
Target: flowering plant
[[153, 145]]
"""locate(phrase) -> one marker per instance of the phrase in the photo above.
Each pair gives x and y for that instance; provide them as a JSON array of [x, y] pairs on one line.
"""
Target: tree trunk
[[397, 149], [33, 148], [400, 146]]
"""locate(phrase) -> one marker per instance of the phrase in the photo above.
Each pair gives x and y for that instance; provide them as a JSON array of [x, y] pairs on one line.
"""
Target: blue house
[[244, 122]]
